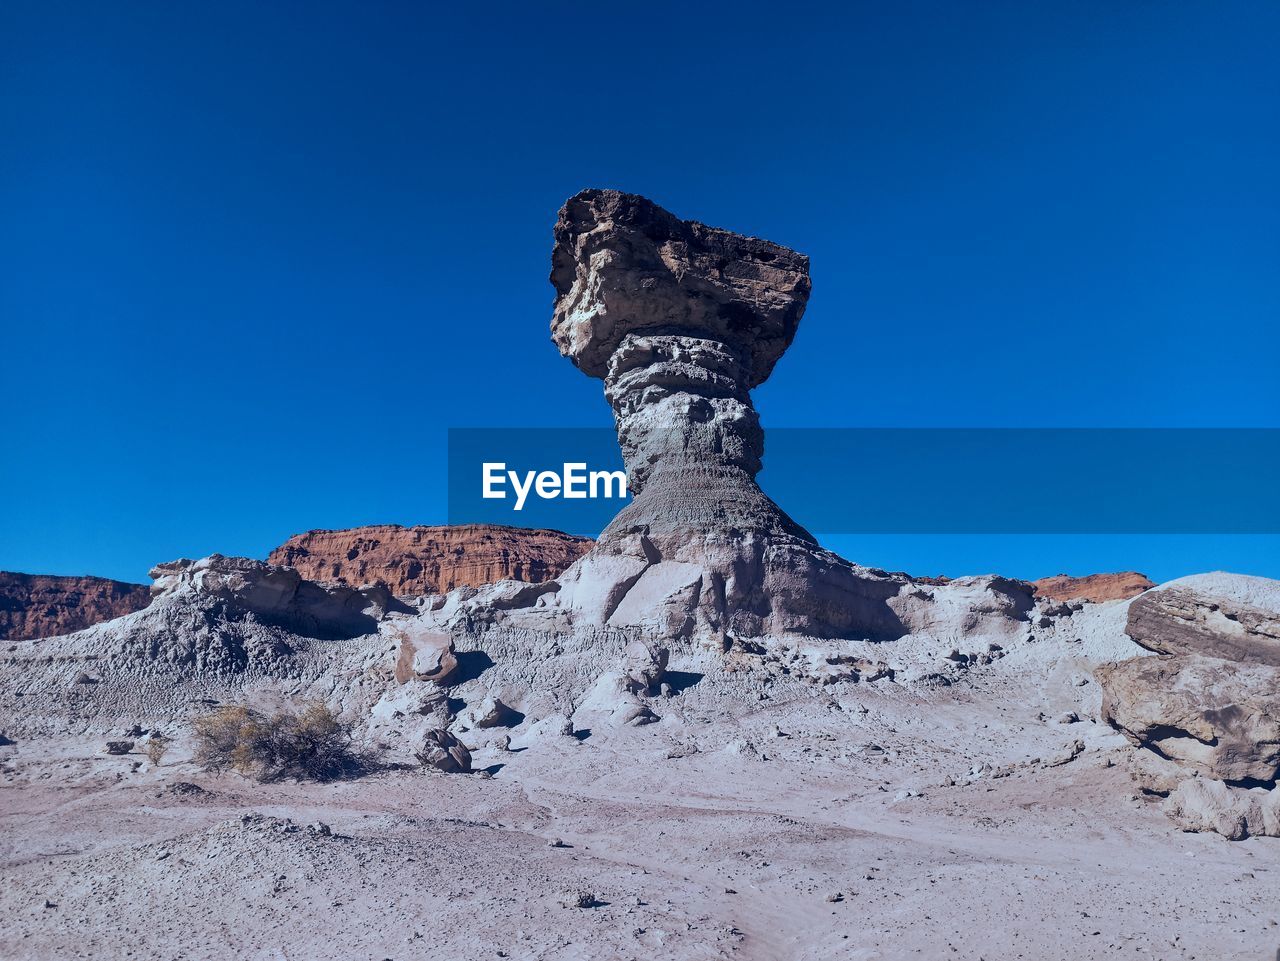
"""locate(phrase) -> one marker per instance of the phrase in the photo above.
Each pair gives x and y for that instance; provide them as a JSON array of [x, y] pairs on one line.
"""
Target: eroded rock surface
[[1218, 615], [682, 321], [1218, 717], [429, 560], [42, 605], [1095, 588]]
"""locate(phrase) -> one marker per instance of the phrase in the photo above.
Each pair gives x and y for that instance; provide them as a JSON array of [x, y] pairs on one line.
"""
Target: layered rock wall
[[429, 560], [40, 605]]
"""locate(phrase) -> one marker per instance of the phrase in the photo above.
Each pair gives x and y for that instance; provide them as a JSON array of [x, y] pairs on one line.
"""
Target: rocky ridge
[[46, 605], [1094, 588], [429, 560]]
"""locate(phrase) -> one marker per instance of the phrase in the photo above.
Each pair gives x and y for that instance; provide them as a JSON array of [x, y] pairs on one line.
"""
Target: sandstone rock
[[682, 321], [1218, 717], [612, 702], [1095, 588], [444, 752], [430, 560], [275, 595], [424, 654], [644, 663], [38, 605], [488, 713], [1230, 616], [1201, 804]]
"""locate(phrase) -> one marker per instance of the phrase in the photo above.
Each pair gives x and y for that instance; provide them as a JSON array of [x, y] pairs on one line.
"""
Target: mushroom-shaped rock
[[682, 321]]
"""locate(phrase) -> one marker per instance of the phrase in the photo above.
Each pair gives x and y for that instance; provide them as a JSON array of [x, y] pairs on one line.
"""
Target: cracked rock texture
[[429, 560]]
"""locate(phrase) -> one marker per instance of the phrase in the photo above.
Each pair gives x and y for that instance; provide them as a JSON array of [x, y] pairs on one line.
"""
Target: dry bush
[[311, 744], [157, 744]]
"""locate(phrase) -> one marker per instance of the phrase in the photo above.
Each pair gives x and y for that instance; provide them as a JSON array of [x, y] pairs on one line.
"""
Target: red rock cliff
[[430, 560], [1093, 587], [44, 605]]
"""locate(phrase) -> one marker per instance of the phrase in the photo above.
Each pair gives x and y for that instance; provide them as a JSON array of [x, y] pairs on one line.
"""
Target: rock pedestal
[[682, 321]]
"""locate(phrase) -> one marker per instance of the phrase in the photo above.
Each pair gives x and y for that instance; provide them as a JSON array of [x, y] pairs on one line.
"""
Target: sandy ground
[[864, 821]]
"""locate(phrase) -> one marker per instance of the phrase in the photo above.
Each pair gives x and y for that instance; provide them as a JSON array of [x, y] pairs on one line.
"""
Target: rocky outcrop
[[682, 321], [1217, 717], [1211, 701], [1230, 616], [444, 752], [1095, 588], [230, 615], [277, 596], [40, 605], [429, 560], [1199, 804]]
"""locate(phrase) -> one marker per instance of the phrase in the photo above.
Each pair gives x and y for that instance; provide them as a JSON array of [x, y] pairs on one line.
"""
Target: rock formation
[[682, 321], [1211, 701], [1095, 588], [429, 560], [1228, 616], [1217, 717], [39, 605]]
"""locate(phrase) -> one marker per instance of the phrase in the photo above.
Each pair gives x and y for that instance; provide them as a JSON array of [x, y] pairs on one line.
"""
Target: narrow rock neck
[[682, 402]]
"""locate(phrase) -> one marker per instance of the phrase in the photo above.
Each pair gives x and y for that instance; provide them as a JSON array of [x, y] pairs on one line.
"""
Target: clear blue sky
[[257, 257]]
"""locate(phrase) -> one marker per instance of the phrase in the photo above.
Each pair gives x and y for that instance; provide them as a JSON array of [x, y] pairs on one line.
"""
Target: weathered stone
[[1201, 804], [1218, 717], [1095, 588], [430, 560], [1229, 616], [444, 752], [644, 663], [39, 605], [424, 654], [277, 596], [682, 321]]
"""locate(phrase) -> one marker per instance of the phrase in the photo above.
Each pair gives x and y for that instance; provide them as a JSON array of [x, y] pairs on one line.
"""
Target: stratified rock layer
[[1211, 702], [682, 321], [1095, 588], [430, 560], [1229, 616], [41, 605]]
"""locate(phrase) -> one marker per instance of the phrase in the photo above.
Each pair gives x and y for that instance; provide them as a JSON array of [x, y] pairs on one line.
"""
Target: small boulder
[[645, 664], [119, 747], [425, 655], [444, 752], [1202, 804], [489, 713], [577, 898]]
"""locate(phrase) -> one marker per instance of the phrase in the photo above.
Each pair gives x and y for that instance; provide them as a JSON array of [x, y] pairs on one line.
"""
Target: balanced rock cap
[[623, 265]]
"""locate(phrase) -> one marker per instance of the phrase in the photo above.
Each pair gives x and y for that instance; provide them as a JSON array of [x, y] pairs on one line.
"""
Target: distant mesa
[[1095, 588], [46, 605], [430, 560]]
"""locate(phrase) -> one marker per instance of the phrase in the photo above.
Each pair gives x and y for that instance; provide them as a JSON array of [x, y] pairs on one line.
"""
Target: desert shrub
[[310, 744], [157, 744]]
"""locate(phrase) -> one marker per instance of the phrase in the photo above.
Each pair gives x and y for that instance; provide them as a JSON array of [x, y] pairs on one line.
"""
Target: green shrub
[[307, 745]]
